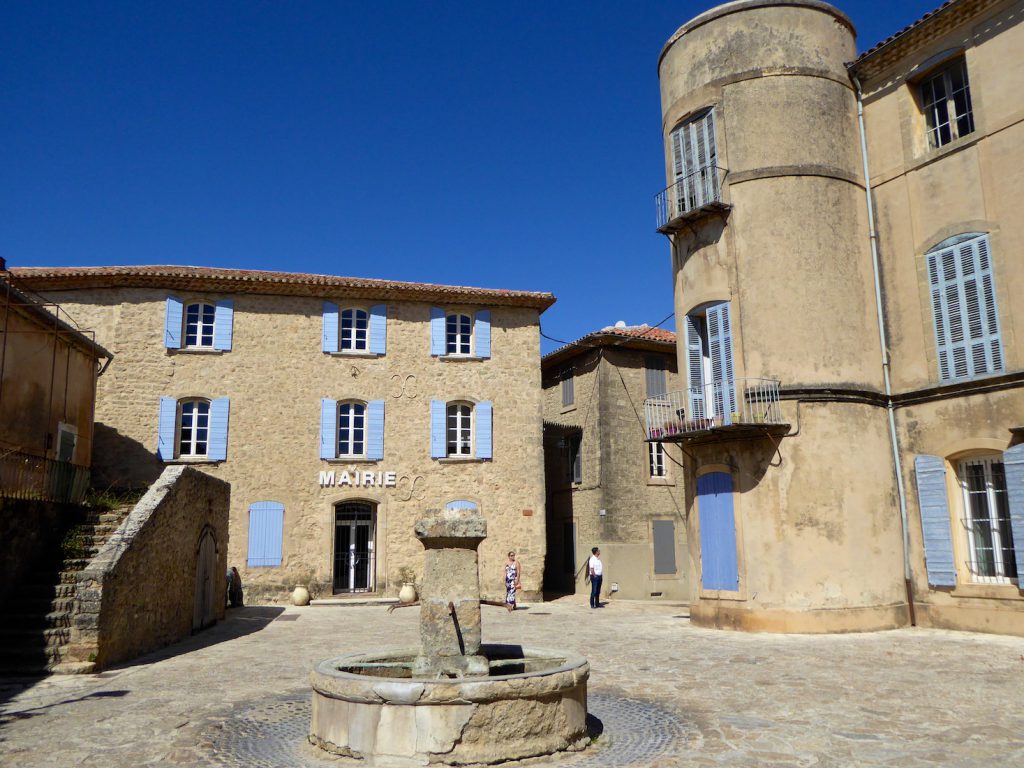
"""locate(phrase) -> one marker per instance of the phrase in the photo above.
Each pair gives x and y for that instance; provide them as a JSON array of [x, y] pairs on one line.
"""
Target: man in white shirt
[[596, 571]]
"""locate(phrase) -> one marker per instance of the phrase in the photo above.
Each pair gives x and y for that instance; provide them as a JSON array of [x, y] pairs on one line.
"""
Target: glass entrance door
[[354, 524]]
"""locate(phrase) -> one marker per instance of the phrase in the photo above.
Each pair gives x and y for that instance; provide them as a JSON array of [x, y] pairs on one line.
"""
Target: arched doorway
[[204, 609], [355, 528]]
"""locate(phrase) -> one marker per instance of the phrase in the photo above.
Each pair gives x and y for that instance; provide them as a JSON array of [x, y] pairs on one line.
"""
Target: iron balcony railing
[[23, 476], [734, 402], [689, 193]]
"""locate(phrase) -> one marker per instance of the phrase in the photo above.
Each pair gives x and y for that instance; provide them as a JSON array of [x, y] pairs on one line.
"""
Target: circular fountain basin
[[533, 702]]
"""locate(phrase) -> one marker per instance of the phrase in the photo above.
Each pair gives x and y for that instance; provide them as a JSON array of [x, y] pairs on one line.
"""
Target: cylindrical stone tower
[[792, 529]]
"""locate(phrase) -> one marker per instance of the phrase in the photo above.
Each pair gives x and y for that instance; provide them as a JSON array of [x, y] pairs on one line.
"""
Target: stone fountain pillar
[[450, 594]]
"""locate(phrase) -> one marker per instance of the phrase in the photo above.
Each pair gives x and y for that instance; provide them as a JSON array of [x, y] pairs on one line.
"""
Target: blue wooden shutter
[[266, 532], [482, 331], [329, 342], [967, 336], [167, 428], [484, 431], [172, 323], [460, 504], [437, 345], [718, 564], [695, 367], [654, 368], [938, 540], [328, 429], [379, 329], [375, 429], [720, 342], [1013, 465], [218, 448], [438, 426], [223, 324]]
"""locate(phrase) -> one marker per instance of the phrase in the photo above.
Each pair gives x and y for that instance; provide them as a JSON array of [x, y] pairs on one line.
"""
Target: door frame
[[373, 524]]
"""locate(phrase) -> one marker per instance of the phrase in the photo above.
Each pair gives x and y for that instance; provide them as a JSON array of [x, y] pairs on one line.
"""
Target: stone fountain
[[453, 700]]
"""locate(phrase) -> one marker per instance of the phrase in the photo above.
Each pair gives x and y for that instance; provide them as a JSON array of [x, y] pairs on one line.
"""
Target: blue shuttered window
[[1013, 465], [168, 426], [328, 428], [438, 429], [375, 429], [172, 323], [266, 533], [484, 431], [964, 308], [223, 325], [437, 331], [460, 504], [930, 472], [718, 562], [329, 340], [482, 331], [720, 343], [695, 366], [218, 448], [378, 329]]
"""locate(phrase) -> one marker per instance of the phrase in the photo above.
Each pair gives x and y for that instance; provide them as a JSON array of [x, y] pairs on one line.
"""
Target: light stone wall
[[923, 196], [610, 388], [138, 593], [275, 376]]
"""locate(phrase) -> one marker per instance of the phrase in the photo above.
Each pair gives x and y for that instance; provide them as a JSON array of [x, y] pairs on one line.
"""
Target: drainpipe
[[873, 238]]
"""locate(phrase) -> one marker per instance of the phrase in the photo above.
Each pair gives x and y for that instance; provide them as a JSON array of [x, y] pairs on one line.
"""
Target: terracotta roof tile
[[258, 281], [643, 335]]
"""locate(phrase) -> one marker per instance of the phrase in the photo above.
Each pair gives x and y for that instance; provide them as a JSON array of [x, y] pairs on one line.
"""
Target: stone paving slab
[[901, 698]]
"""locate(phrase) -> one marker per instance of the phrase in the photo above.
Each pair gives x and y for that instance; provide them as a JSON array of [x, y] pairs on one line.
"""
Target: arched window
[[460, 429], [458, 334], [351, 429], [193, 428], [354, 325], [199, 321]]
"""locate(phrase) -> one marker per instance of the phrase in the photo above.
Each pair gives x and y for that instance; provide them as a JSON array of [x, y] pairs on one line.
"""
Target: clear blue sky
[[502, 145]]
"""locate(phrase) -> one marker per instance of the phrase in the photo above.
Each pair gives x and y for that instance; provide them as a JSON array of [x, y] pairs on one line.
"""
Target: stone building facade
[[606, 485], [855, 382], [338, 409]]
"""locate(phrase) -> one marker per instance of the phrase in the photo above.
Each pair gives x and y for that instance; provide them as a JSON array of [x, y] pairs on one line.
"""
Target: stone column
[[450, 594]]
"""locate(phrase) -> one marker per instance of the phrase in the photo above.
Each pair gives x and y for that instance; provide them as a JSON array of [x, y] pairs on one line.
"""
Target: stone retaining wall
[[138, 594]]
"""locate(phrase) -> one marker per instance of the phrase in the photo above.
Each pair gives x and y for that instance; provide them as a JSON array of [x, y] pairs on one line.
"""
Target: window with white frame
[[458, 334], [656, 460], [711, 391], [695, 162], [459, 429], [351, 430], [576, 459], [199, 322], [193, 428], [991, 557], [946, 102], [354, 325], [568, 389], [964, 311]]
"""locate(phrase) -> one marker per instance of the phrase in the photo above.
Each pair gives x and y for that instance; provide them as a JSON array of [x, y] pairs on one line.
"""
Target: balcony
[[23, 476], [720, 410], [690, 197]]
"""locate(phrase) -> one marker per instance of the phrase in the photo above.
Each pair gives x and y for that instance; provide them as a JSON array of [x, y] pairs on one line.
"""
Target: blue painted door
[[718, 568]]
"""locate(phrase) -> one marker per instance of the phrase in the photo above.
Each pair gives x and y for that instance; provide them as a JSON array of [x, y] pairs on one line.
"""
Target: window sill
[[355, 353], [460, 460], [568, 408], [195, 460], [459, 358], [660, 481], [932, 154], [986, 591], [351, 460], [196, 351]]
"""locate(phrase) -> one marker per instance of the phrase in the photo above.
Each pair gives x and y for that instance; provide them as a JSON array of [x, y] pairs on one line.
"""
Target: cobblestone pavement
[[664, 693]]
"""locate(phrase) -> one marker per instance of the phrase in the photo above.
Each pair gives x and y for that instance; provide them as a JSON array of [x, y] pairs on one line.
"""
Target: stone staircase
[[39, 612]]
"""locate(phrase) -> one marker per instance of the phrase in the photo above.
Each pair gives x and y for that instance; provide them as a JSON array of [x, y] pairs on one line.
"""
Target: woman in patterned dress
[[512, 574]]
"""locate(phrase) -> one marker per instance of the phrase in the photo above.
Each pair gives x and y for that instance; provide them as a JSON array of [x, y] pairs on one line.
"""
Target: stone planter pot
[[300, 595], [407, 594]]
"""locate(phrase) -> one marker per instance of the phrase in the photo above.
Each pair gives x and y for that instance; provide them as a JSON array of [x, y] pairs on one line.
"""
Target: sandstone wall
[[138, 593]]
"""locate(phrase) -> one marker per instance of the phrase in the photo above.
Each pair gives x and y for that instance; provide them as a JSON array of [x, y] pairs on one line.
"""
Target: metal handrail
[[689, 193], [723, 403], [24, 476]]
